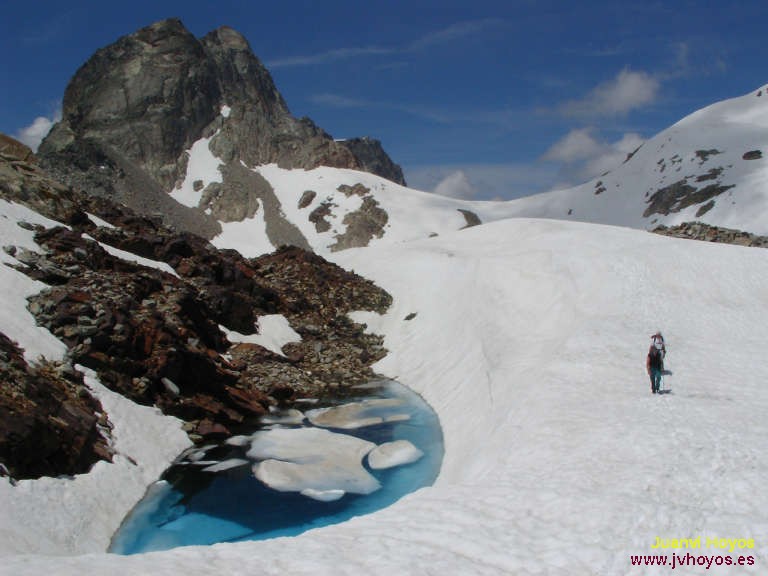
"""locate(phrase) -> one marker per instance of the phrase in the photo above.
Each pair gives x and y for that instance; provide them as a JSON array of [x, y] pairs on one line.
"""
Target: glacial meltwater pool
[[301, 470]]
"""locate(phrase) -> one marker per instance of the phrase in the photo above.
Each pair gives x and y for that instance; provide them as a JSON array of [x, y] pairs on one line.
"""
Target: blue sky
[[480, 99]]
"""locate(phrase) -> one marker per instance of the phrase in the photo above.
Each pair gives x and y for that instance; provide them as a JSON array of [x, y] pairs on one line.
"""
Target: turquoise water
[[191, 507]]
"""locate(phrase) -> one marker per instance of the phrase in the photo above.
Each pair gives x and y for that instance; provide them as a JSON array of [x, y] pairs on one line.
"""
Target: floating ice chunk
[[238, 440], [291, 416], [391, 454], [396, 417], [323, 495], [226, 465], [196, 453], [358, 414], [300, 459]]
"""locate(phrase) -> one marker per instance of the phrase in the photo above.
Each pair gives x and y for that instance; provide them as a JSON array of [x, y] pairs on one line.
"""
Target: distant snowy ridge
[[712, 166]]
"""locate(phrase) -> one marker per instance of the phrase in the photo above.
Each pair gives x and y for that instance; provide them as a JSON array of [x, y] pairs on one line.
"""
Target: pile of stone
[[705, 232]]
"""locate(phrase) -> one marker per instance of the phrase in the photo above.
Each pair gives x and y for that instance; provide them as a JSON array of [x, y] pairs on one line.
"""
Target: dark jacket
[[655, 359]]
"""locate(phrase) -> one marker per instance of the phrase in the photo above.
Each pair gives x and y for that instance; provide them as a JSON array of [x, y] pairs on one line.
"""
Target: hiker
[[654, 363]]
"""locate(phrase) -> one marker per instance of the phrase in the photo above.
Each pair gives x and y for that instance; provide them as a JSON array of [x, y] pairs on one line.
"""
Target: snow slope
[[711, 140], [62, 515], [529, 341]]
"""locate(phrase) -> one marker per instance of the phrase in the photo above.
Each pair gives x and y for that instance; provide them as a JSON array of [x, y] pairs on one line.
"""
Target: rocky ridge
[[155, 330], [135, 108], [707, 233]]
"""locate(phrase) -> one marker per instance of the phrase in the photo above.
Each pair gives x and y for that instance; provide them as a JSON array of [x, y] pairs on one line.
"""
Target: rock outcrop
[[135, 107], [363, 224], [372, 158], [50, 424], [149, 309], [707, 233]]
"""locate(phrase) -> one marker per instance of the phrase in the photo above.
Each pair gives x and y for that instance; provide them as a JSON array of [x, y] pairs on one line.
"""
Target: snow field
[[15, 320], [54, 517], [529, 341]]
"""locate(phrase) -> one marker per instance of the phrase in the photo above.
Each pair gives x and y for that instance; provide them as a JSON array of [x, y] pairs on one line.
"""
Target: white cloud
[[575, 146], [33, 134], [613, 155], [628, 91], [456, 185], [583, 155]]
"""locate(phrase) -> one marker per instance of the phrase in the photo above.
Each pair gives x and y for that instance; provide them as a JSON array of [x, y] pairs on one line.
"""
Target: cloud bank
[[456, 185], [628, 91], [584, 155]]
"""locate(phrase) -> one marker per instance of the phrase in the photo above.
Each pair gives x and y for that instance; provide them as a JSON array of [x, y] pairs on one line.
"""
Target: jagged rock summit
[[133, 111]]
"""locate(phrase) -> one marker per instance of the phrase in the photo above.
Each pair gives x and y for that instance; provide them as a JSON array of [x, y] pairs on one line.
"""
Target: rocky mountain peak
[[228, 38], [241, 75], [147, 97], [133, 111]]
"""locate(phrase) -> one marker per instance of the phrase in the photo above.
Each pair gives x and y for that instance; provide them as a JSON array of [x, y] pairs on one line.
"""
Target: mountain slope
[[162, 317], [708, 167], [711, 166]]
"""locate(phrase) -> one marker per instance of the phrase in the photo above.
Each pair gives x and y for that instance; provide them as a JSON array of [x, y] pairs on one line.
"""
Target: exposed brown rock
[[707, 233], [306, 198], [364, 224], [50, 425], [155, 338], [12, 149]]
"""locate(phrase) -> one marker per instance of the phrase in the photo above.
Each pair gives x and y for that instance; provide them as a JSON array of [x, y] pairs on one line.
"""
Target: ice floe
[[391, 454], [323, 495], [240, 440], [312, 460], [353, 415], [290, 416], [227, 465]]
